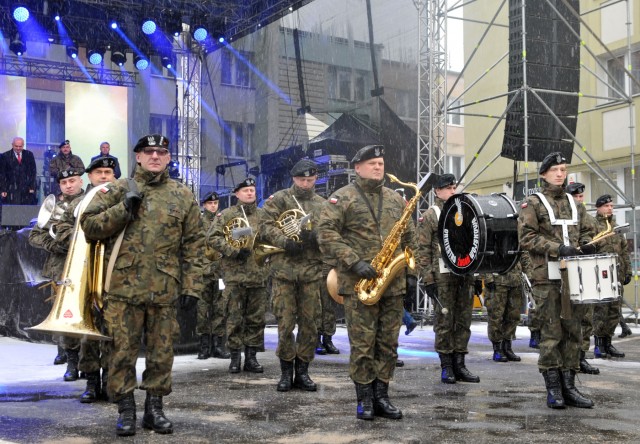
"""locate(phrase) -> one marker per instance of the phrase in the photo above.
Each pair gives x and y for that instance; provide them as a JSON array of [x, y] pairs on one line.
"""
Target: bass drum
[[479, 234]]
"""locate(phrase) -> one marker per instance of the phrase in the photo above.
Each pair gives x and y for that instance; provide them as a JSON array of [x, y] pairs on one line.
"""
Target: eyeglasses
[[159, 151]]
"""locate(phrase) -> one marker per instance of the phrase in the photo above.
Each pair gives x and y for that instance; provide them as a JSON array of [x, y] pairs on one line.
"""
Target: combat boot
[[126, 425], [302, 379], [236, 361], [286, 378], [154, 418], [534, 341], [508, 351], [320, 350], [600, 349], [61, 357], [611, 350], [571, 394], [72, 366], [251, 364], [92, 392], [204, 347], [218, 350], [461, 371], [409, 323], [364, 393], [447, 376], [399, 363], [626, 331], [328, 345], [554, 388], [497, 352], [104, 394], [381, 404], [587, 368]]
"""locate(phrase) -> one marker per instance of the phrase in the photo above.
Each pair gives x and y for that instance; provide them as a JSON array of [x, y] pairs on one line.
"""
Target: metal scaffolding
[[189, 150]]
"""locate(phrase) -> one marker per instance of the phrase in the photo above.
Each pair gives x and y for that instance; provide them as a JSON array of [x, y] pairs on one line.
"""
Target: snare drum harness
[[564, 223]]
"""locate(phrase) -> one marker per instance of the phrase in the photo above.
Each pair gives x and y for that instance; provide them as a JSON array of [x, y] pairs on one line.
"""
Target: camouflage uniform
[[348, 233], [159, 259], [296, 280], [504, 304], [61, 163], [211, 306], [561, 338]]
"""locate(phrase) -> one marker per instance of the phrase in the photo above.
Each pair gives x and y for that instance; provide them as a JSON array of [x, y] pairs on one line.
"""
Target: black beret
[[445, 180], [155, 140], [575, 188], [368, 152], [63, 143], [248, 182], [304, 168], [211, 196], [551, 160], [102, 162], [65, 174], [605, 199]]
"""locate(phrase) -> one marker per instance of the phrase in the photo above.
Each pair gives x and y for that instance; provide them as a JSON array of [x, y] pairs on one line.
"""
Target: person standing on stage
[[153, 236], [551, 226], [64, 160], [296, 275], [18, 175], [105, 149], [353, 227], [453, 327], [606, 316], [245, 290]]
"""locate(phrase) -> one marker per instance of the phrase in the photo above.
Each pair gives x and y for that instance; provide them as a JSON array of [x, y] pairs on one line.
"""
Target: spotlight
[[200, 33], [168, 60], [95, 55], [72, 51], [20, 13], [174, 169], [141, 62], [113, 24], [149, 26], [118, 56], [18, 46]]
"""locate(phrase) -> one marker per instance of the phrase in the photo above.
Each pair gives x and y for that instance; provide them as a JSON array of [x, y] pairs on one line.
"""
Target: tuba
[[79, 288], [50, 213]]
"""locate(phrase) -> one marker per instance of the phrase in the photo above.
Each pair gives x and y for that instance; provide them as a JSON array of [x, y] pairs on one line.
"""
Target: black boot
[[92, 393], [600, 350], [508, 352], [236, 361], [626, 331], [399, 363], [461, 371], [447, 376], [61, 357], [286, 378], [104, 394], [154, 418], [381, 404], [251, 364], [204, 347], [126, 425], [218, 350], [611, 350], [587, 368], [571, 394], [364, 392], [497, 352], [302, 379], [554, 388], [320, 350], [72, 365], [534, 341], [328, 345]]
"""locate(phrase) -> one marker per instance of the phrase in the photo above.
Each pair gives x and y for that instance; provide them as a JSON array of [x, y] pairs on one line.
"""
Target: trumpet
[[50, 213]]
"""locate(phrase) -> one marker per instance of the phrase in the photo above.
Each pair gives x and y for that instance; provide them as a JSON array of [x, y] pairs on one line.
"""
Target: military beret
[[65, 174], [212, 196], [248, 182], [368, 152], [63, 143], [304, 168], [575, 188], [551, 160], [155, 140], [604, 199], [101, 162], [445, 180]]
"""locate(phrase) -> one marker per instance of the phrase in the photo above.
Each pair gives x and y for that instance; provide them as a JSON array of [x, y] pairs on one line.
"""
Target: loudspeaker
[[18, 215], [513, 148]]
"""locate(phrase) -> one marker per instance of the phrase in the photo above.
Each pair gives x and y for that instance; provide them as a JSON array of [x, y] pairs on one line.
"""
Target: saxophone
[[370, 291]]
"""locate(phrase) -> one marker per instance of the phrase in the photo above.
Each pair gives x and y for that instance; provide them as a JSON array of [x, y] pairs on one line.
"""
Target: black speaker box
[[513, 148], [541, 126], [543, 52], [560, 104]]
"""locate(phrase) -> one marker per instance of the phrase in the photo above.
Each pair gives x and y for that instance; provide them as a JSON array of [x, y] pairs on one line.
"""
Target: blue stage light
[[18, 46], [200, 33], [114, 25], [149, 26], [20, 14], [95, 56], [72, 51], [141, 62]]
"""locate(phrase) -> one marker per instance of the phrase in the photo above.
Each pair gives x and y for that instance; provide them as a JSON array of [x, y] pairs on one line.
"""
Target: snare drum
[[593, 279]]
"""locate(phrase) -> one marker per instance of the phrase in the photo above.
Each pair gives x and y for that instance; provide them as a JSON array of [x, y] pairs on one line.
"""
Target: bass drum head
[[478, 234]]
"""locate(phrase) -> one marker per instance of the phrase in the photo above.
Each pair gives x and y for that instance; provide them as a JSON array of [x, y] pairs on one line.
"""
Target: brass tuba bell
[[50, 213]]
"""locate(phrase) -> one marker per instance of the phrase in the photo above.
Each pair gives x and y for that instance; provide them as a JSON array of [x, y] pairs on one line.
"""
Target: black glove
[[568, 250], [293, 248], [411, 285], [627, 279], [364, 270], [309, 237], [132, 202], [188, 302], [491, 286], [431, 290], [242, 254], [588, 249], [477, 287]]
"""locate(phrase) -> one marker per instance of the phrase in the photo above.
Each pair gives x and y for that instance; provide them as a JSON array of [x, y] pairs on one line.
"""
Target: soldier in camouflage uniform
[[576, 189], [70, 184], [211, 321], [453, 327], [63, 161], [296, 275], [353, 226], [551, 226], [153, 238], [245, 292], [606, 316]]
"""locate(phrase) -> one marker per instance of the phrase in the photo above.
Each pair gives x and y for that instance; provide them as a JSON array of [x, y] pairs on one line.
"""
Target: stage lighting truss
[[118, 55], [172, 22], [72, 50], [20, 13], [17, 45], [95, 55]]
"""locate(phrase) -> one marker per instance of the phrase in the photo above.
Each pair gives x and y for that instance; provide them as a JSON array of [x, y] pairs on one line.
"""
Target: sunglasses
[[159, 151]]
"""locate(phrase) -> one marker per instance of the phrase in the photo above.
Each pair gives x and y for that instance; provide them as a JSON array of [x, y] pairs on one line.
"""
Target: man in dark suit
[[105, 147], [18, 175]]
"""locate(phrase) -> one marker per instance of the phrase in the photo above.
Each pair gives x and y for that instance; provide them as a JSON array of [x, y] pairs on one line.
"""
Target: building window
[[454, 116], [45, 122], [347, 84], [162, 124], [237, 139], [455, 165], [235, 72], [616, 76], [406, 104]]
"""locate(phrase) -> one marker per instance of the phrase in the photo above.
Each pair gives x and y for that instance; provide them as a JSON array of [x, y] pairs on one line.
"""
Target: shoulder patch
[[333, 200], [104, 189], [524, 205], [421, 219], [270, 197], [219, 215]]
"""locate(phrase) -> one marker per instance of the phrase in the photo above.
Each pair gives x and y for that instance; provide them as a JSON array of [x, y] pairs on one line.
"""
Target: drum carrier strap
[[564, 223], [442, 267]]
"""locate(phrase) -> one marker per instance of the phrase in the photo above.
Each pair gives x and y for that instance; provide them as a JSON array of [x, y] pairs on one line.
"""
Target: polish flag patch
[[333, 200], [104, 190], [524, 205], [270, 197]]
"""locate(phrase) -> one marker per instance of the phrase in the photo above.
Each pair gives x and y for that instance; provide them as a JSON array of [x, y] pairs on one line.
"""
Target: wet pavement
[[210, 405]]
